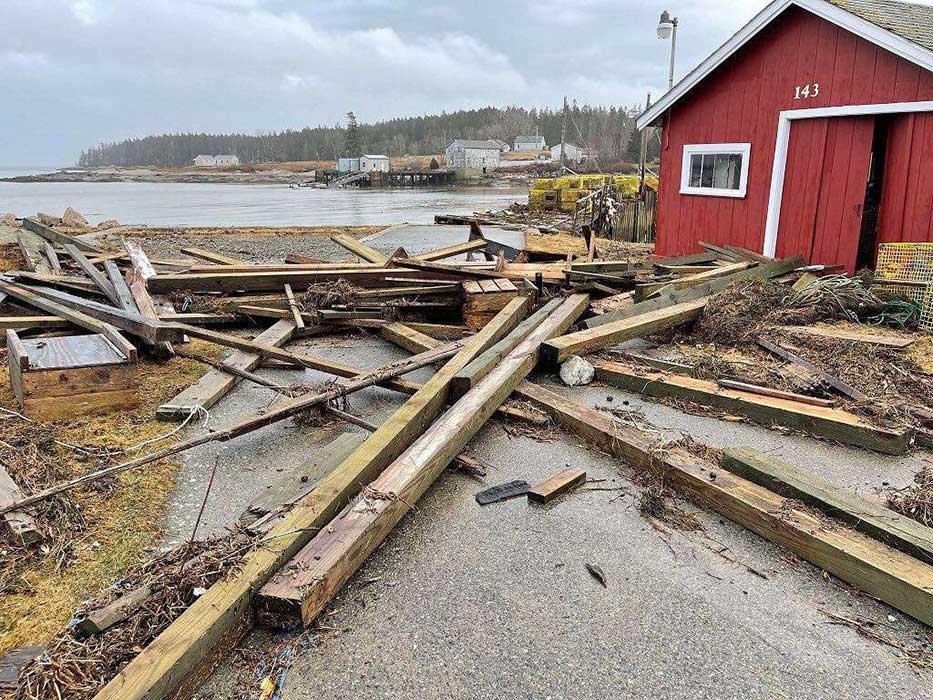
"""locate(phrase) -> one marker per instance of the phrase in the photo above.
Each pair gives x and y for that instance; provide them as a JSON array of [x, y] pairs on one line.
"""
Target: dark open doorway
[[868, 235]]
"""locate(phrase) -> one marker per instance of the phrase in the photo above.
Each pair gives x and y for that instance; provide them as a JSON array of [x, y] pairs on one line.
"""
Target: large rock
[[73, 219], [9, 219], [108, 224], [48, 219], [576, 371]]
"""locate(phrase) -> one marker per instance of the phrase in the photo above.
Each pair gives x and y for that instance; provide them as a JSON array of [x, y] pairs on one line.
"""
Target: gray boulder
[[576, 371]]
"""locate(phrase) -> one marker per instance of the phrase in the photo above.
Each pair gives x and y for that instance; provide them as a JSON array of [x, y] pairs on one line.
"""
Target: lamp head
[[666, 25]]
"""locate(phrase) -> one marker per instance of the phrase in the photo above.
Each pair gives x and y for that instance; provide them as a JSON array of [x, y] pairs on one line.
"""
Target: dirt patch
[[11, 258]]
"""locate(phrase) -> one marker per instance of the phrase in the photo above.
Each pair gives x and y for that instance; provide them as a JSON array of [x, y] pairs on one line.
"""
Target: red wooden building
[[810, 131]]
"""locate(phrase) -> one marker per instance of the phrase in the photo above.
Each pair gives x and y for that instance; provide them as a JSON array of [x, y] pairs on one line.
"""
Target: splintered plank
[[831, 423], [53, 236], [52, 256], [451, 250], [865, 515], [106, 617], [359, 249], [216, 384], [33, 262], [122, 290], [592, 339], [222, 613], [211, 256], [882, 571], [658, 288], [294, 308], [556, 485], [324, 565], [96, 276], [19, 523]]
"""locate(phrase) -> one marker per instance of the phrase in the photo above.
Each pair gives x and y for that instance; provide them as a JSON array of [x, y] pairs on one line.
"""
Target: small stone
[[108, 224], [47, 219], [576, 371], [73, 219]]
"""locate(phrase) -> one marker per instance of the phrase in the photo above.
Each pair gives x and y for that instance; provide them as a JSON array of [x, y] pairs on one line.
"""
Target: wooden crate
[[483, 299], [70, 376]]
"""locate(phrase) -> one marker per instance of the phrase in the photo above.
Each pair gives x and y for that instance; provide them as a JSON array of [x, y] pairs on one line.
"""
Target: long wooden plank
[[768, 391], [72, 316], [96, 276], [221, 613], [470, 375], [592, 339], [406, 337], [139, 259], [451, 250], [140, 292], [52, 256], [870, 517], [211, 256], [120, 288], [882, 571], [359, 249], [267, 281], [31, 259], [647, 291], [53, 236], [325, 564], [679, 296], [297, 318], [831, 423], [216, 384]]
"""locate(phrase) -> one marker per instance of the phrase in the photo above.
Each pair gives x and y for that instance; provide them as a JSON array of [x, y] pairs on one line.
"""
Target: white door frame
[[782, 143]]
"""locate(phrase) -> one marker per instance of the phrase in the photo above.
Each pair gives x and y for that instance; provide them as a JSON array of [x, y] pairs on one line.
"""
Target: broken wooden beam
[[830, 423], [407, 337], [812, 369], [359, 249], [96, 276], [589, 340], [881, 571], [556, 485], [451, 250], [315, 574], [219, 615], [297, 318], [868, 516], [211, 256], [104, 618], [53, 236]]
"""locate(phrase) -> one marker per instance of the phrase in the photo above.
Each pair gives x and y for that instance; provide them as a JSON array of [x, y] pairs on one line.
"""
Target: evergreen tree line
[[610, 132]]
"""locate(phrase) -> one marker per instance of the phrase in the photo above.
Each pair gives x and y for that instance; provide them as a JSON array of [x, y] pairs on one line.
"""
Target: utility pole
[[563, 136]]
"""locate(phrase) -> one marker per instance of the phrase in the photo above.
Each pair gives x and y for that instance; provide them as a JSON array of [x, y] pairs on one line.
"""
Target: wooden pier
[[393, 178]]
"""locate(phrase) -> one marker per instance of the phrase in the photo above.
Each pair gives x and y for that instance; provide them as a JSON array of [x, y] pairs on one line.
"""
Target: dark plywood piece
[[556, 485], [13, 662]]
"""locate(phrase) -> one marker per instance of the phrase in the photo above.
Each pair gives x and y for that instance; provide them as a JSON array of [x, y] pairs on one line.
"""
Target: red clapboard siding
[[827, 159]]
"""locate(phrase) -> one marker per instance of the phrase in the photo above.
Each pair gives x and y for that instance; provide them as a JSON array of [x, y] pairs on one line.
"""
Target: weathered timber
[[831, 423], [299, 279], [77, 318], [324, 565], [106, 617], [221, 612], [882, 571], [294, 308], [451, 250], [52, 256], [139, 259], [650, 290], [470, 375], [138, 290], [591, 339], [53, 236], [359, 249], [691, 259], [96, 276], [407, 337], [865, 515], [20, 525], [812, 369], [441, 269], [211, 256], [31, 260], [556, 485], [122, 290], [679, 296], [777, 393], [13, 662], [216, 384]]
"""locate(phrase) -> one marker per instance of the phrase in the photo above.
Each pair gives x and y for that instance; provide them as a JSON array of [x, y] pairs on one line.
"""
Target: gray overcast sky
[[77, 72]]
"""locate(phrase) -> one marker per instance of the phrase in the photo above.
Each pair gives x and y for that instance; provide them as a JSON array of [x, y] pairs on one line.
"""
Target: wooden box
[[70, 376], [483, 299]]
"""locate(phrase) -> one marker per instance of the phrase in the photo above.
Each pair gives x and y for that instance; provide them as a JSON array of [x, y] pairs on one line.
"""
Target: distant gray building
[[368, 163], [467, 154], [572, 153], [205, 161], [503, 146], [348, 165], [226, 160], [530, 143]]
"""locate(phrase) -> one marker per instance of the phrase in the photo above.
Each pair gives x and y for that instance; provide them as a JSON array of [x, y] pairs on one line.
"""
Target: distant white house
[[572, 153], [215, 161], [468, 154], [530, 143], [348, 165], [369, 163]]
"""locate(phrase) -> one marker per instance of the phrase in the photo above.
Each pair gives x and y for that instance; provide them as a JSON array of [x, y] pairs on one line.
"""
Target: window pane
[[696, 161], [727, 171], [706, 176]]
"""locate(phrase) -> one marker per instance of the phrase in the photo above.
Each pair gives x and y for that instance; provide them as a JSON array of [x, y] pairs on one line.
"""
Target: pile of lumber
[[485, 326]]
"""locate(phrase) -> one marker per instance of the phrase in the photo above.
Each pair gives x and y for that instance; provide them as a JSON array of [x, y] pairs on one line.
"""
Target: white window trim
[[743, 149]]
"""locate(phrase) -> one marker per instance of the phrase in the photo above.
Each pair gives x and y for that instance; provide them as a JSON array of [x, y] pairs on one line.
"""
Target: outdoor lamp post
[[667, 29]]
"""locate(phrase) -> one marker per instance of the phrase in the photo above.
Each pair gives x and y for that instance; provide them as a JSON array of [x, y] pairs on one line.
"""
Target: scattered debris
[[916, 501], [596, 571], [502, 492]]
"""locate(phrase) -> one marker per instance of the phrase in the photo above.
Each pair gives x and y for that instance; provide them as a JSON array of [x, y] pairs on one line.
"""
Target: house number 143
[[806, 91]]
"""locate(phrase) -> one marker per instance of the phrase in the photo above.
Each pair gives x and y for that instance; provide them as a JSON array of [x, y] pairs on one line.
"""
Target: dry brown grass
[[120, 524]]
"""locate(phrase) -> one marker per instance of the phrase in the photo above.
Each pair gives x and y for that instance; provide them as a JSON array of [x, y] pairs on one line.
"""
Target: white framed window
[[715, 169]]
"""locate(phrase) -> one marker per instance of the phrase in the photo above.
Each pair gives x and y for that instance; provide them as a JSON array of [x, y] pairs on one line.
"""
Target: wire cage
[[905, 270]]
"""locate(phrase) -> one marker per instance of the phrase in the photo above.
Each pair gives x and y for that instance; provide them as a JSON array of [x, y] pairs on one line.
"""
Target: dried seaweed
[[916, 501], [735, 315]]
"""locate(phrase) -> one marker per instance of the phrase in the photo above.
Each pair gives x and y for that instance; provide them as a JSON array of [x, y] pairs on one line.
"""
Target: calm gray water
[[176, 204]]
